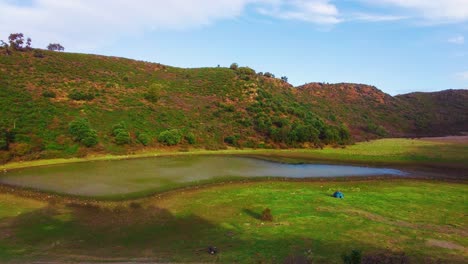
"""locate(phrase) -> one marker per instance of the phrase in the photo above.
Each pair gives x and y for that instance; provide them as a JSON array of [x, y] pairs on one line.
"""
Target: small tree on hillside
[[4, 45], [28, 43], [17, 42], [284, 79], [55, 47], [234, 66], [82, 132]]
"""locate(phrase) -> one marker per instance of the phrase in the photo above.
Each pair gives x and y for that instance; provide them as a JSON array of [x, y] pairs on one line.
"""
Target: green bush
[[49, 94], [190, 137], [153, 94], [90, 138], [170, 137], [234, 66], [121, 134], [81, 96], [144, 139], [376, 130], [122, 138], [232, 140], [81, 132], [246, 71]]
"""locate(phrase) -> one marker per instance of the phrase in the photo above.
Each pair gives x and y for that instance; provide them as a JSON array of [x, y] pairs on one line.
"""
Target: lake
[[146, 175]]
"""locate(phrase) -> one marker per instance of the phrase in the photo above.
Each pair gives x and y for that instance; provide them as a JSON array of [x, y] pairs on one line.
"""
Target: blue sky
[[397, 45]]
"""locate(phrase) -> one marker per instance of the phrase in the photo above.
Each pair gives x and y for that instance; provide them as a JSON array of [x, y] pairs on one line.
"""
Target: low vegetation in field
[[377, 219]]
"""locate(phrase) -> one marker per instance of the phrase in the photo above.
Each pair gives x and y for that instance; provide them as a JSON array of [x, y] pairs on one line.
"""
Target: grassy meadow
[[385, 218]]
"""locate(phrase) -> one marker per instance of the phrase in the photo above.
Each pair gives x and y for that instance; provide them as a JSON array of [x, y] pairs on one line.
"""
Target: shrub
[[170, 137], [144, 139], [122, 137], [81, 96], [20, 149], [266, 215], [376, 129], [121, 134], [190, 137], [246, 71], [153, 94], [232, 140], [81, 132], [49, 94], [234, 66], [90, 138]]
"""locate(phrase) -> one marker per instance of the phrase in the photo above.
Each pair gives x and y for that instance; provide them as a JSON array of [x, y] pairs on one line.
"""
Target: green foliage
[[245, 73], [234, 66], [376, 129], [144, 139], [121, 134], [232, 140], [122, 137], [190, 137], [78, 95], [49, 94], [153, 93], [331, 135], [170, 137], [81, 132]]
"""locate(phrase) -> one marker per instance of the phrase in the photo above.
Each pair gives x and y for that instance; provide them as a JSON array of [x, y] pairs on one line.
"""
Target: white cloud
[[462, 75], [434, 11], [314, 11], [84, 24], [368, 17], [457, 40]]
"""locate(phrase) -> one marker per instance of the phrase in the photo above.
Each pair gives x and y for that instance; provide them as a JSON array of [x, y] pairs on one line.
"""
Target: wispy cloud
[[314, 11], [431, 11], [369, 17], [462, 75], [459, 40]]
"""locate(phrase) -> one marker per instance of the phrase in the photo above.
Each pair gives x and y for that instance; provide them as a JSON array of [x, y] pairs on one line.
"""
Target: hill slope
[[66, 104], [370, 112]]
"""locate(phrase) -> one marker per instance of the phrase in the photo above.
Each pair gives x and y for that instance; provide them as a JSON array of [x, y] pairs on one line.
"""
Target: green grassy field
[[422, 219]]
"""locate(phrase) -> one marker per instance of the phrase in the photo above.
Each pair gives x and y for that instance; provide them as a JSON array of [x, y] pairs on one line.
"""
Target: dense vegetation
[[123, 105]]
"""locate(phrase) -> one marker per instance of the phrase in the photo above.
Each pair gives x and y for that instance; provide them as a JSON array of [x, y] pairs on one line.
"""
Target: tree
[[121, 134], [5, 46], [16, 41], [234, 66], [82, 132], [170, 137], [269, 75], [28, 43], [284, 79], [55, 47], [154, 92]]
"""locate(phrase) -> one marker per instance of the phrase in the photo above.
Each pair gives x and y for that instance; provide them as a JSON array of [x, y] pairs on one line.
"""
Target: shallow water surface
[[123, 177]]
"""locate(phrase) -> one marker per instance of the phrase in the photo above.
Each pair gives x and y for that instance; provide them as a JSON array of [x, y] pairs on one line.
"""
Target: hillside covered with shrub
[[55, 104]]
